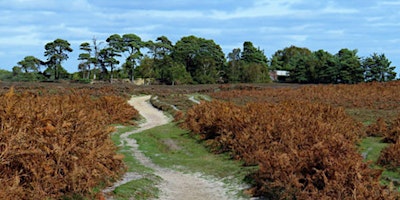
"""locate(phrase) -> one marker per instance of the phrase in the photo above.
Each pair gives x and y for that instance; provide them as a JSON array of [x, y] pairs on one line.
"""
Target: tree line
[[195, 60]]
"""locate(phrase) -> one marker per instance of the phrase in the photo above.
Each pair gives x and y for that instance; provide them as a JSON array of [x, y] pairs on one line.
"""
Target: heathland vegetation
[[304, 140], [55, 142], [295, 141], [336, 140]]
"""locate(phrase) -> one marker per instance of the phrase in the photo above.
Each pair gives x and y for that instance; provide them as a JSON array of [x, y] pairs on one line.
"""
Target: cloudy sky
[[367, 25]]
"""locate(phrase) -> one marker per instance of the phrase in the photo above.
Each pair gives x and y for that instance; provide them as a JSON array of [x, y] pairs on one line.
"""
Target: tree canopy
[[196, 60], [202, 58], [56, 52], [320, 66]]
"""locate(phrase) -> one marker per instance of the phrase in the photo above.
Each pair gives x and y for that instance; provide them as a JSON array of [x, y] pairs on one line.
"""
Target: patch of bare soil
[[175, 185]]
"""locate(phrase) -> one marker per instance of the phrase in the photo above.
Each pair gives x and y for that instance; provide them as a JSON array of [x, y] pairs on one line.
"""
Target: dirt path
[[175, 185]]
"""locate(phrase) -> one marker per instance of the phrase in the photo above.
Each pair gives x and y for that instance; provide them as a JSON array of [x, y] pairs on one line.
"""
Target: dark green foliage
[[326, 69], [86, 59], [30, 64], [320, 66], [377, 68], [251, 54], [56, 52], [249, 66], [4, 74], [131, 44], [205, 62], [203, 58], [349, 65]]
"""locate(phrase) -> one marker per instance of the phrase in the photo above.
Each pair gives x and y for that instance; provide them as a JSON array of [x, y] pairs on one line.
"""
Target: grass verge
[[171, 147], [142, 188], [370, 148]]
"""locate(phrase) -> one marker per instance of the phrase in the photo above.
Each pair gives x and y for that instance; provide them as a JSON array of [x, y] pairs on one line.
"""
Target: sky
[[370, 26]]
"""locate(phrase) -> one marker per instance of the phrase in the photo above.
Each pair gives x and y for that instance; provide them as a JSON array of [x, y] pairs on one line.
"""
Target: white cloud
[[286, 8], [385, 24], [46, 5], [390, 3], [206, 31], [373, 19], [297, 38], [335, 33], [260, 9], [150, 15], [332, 8], [21, 40], [145, 28]]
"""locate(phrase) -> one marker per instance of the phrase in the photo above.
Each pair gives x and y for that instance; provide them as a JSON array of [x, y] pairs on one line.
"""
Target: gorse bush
[[58, 145], [304, 150]]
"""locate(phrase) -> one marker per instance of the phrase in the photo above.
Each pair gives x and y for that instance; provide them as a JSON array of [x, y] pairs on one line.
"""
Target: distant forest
[[194, 60]]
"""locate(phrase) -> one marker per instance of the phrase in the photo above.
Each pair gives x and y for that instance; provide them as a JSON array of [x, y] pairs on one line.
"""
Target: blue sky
[[369, 26]]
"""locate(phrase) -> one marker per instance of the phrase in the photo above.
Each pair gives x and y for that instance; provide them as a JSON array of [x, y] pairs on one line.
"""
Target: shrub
[[377, 129], [304, 150], [56, 145]]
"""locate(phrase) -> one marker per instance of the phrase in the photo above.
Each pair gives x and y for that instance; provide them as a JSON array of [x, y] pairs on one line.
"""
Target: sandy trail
[[175, 185]]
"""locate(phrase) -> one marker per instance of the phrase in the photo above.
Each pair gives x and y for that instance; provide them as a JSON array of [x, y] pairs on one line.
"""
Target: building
[[279, 75]]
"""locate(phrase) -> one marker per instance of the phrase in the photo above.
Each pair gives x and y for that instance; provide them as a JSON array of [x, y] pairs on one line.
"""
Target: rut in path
[[175, 185]]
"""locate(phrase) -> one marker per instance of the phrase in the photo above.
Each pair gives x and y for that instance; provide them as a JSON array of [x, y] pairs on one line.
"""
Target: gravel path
[[175, 185]]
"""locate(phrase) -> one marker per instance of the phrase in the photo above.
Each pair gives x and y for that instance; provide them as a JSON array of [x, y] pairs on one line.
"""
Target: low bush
[[390, 156], [304, 150], [57, 145]]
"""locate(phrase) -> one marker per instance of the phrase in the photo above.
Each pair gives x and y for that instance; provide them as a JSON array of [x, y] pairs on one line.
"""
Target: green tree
[[251, 54], [350, 69], [254, 65], [30, 64], [161, 54], [326, 67], [107, 56], [132, 44], [62, 73], [298, 61], [277, 61], [377, 68], [107, 60], [177, 74], [202, 58], [86, 59], [95, 58], [5, 75], [16, 70], [286, 59], [146, 68], [163, 47], [303, 68], [254, 73], [56, 52], [233, 70]]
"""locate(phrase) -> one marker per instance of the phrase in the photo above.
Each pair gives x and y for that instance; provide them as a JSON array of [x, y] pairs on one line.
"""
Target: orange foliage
[[390, 156], [365, 95], [377, 129], [392, 134], [56, 145], [304, 150]]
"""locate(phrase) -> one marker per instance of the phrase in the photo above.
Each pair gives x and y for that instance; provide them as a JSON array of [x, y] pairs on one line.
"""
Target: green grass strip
[[171, 147], [143, 188]]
